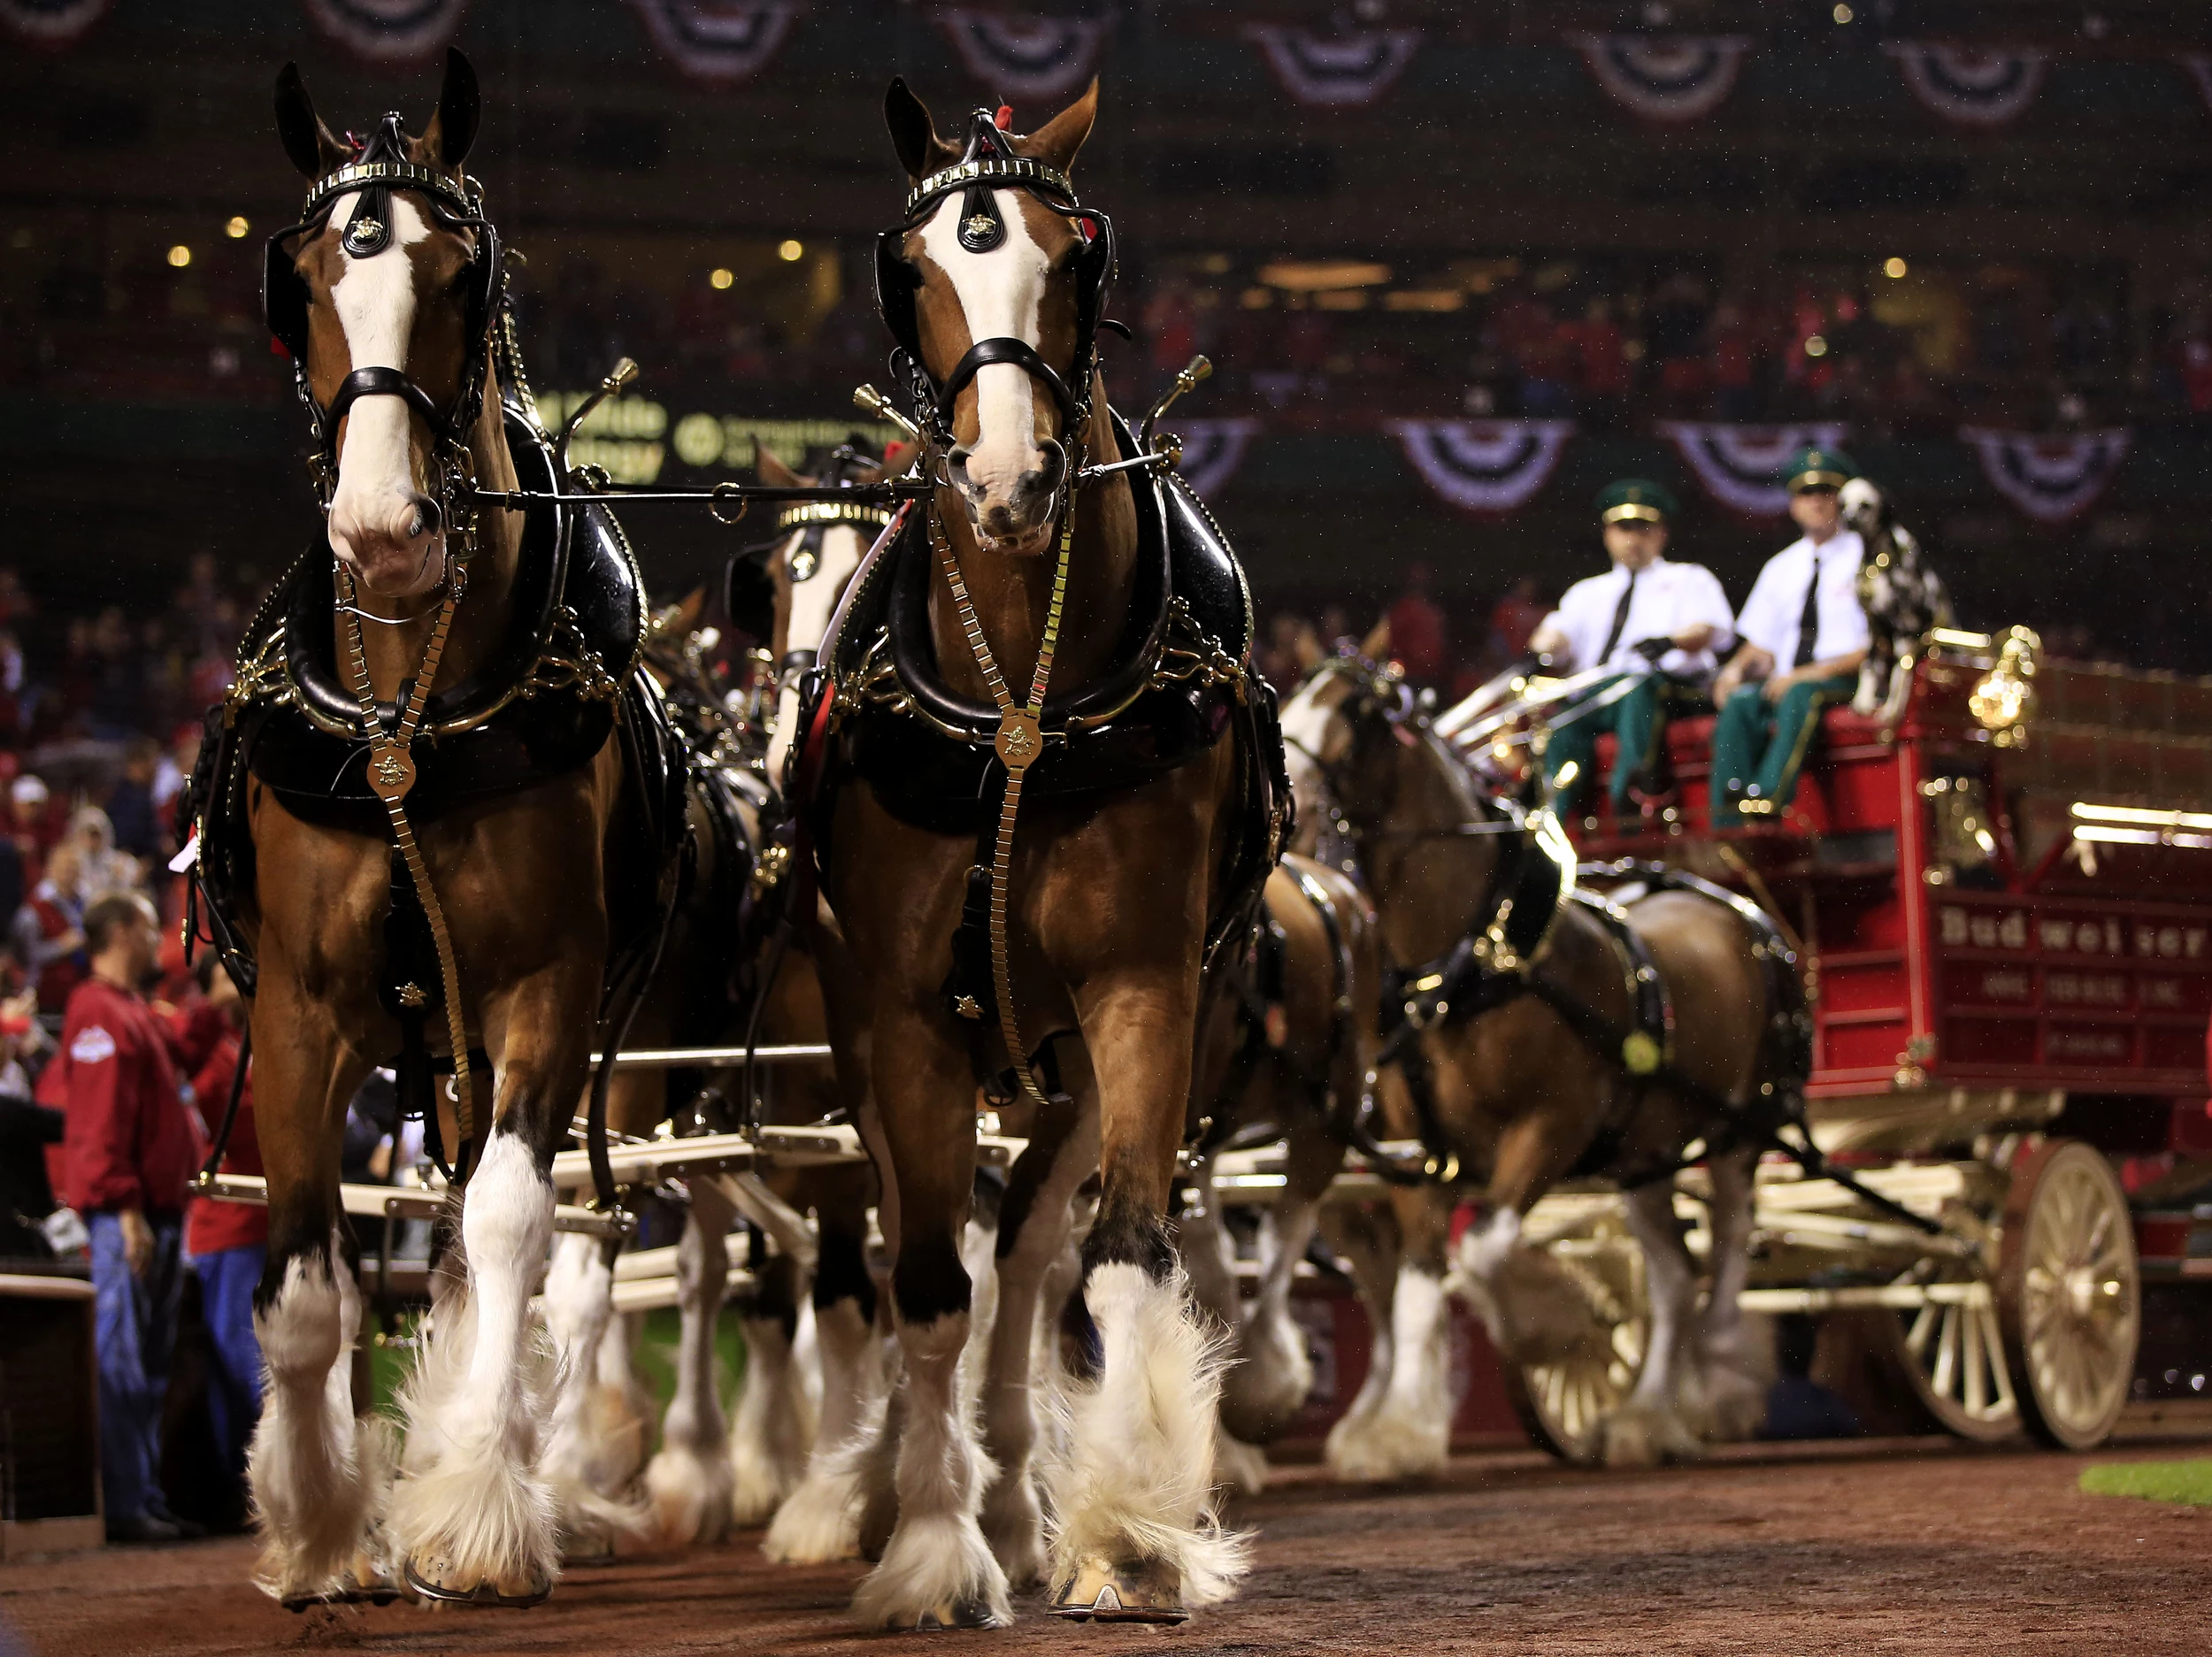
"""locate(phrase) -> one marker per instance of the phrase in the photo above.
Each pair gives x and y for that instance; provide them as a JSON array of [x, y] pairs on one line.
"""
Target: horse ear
[[460, 109], [773, 471], [309, 143], [1057, 142], [913, 135], [692, 606]]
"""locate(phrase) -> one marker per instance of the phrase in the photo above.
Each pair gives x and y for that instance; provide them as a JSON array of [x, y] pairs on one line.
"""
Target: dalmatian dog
[[1902, 595]]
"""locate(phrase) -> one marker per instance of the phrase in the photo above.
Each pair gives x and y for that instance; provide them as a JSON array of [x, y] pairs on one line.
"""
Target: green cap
[[1636, 499], [1813, 467]]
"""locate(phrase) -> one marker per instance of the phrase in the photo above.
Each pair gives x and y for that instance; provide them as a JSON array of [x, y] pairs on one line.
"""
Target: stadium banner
[[1666, 79], [389, 32], [1017, 56], [2050, 478], [1334, 72], [1970, 86], [718, 42], [1488, 467], [53, 24], [1741, 466], [1213, 450]]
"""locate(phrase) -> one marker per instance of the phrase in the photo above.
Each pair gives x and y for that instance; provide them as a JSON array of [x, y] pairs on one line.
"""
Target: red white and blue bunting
[[718, 42], [2050, 478], [1667, 78], [1213, 450], [1970, 86], [1741, 466], [1021, 57], [1334, 72], [52, 23], [388, 31], [1483, 465]]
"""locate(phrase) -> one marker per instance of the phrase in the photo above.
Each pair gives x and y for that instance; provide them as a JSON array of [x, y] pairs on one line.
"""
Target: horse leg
[[1732, 1367], [1033, 1224], [478, 1520], [595, 1441], [774, 1428], [1136, 1535], [820, 1520], [1400, 1425], [1649, 1428], [937, 1570], [316, 1471], [1209, 1260], [688, 1480], [1263, 1394]]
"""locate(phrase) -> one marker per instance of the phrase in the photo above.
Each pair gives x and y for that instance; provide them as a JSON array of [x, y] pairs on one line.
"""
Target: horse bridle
[[989, 164], [381, 168]]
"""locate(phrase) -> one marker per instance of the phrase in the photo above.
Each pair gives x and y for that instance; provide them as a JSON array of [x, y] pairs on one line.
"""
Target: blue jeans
[[227, 1277], [135, 1333]]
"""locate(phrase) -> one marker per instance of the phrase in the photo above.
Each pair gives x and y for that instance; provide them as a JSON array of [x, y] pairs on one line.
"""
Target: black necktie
[[1808, 623], [1620, 621]]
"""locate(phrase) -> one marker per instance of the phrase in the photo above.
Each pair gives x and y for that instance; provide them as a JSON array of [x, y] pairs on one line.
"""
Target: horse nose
[[427, 519], [956, 470]]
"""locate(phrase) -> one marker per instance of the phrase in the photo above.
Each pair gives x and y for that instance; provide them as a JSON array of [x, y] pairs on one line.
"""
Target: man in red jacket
[[128, 1149], [228, 1242]]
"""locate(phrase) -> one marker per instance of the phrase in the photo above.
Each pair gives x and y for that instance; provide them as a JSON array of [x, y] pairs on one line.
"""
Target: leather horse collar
[[381, 168], [989, 164]]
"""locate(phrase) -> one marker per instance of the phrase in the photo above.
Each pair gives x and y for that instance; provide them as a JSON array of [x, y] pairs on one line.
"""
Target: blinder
[[988, 165], [381, 169]]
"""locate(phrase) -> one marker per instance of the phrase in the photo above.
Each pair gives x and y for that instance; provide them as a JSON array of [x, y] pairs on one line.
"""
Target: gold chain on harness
[[391, 775], [1019, 743]]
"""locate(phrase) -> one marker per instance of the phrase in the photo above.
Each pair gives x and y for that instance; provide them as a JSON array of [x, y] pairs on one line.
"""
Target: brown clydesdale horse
[[1538, 1072], [992, 284], [389, 295]]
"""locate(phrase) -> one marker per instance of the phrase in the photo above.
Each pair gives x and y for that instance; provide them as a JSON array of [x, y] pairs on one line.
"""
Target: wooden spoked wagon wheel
[[1561, 1404], [1951, 1351], [2069, 1293]]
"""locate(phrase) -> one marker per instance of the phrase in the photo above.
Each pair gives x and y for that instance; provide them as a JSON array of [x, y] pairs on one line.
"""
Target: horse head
[[806, 570], [993, 290], [385, 295]]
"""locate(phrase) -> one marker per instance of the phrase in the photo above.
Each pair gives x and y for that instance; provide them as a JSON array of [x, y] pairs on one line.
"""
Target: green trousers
[[1759, 747], [1635, 721]]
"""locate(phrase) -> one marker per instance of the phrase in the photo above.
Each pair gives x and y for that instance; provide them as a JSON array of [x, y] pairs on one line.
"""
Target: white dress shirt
[[1669, 599], [1772, 616]]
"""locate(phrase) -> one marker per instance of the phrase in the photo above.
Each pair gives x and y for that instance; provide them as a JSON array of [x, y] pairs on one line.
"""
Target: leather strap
[[1004, 348], [1020, 741], [382, 382]]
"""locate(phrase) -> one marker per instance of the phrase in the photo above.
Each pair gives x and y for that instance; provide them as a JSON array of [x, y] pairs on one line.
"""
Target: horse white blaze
[[1002, 294], [813, 603], [376, 506], [1305, 725]]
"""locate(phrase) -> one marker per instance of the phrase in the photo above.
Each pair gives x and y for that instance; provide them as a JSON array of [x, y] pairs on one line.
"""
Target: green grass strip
[[2188, 1482]]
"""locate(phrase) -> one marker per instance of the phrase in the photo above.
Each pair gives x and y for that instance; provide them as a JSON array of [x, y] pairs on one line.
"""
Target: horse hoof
[[953, 1614], [486, 1595], [1144, 1591]]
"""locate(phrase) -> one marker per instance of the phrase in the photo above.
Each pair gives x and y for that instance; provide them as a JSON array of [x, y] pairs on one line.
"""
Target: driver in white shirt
[[1657, 624]]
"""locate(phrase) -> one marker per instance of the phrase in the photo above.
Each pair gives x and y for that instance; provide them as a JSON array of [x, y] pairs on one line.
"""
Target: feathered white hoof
[[1141, 1591], [1636, 1435], [688, 1494], [1262, 1392], [1239, 1467], [773, 1428], [937, 1573], [1385, 1447], [820, 1520], [477, 1526], [1013, 1522], [1133, 1492]]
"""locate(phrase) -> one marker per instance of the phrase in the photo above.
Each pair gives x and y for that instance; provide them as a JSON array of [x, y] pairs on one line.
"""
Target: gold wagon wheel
[[2069, 1293], [1561, 1403]]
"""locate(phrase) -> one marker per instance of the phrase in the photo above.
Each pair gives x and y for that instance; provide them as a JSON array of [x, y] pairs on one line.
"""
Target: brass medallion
[[1020, 740], [391, 774]]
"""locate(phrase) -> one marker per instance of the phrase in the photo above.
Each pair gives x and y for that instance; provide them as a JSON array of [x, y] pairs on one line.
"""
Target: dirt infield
[[1907, 1545]]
